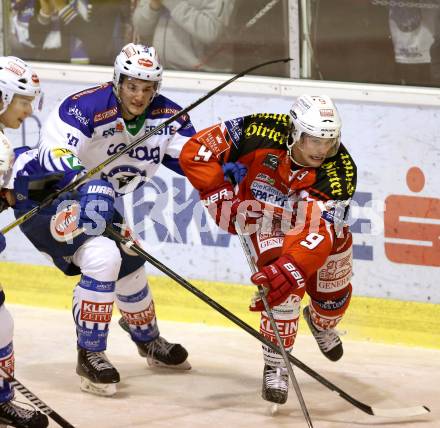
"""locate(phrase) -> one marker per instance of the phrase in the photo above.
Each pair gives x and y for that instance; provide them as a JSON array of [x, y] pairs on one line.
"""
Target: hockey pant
[[6, 350]]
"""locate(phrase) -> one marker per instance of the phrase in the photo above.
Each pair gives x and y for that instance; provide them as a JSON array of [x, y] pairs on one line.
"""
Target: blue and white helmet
[[17, 78], [140, 62], [315, 115]]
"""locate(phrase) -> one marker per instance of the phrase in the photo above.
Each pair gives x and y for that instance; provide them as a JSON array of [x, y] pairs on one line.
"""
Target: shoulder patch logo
[[271, 161], [215, 140]]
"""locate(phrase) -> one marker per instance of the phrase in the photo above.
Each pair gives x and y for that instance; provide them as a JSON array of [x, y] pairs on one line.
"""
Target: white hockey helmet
[[6, 158], [316, 116], [140, 62], [17, 77]]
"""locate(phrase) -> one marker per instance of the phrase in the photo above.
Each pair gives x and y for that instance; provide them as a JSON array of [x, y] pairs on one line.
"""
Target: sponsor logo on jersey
[[273, 133], [141, 153], [140, 318], [96, 312], [125, 178], [74, 163], [214, 140], [265, 178], [99, 117], [169, 110], [269, 194], [145, 62], [271, 161], [235, 129], [111, 131], [78, 114], [15, 68], [167, 130], [89, 91], [64, 224], [60, 152], [340, 173], [349, 173]]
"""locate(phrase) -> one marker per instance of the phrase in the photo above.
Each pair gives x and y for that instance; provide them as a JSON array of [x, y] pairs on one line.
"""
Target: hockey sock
[[92, 312], [135, 302], [6, 350], [286, 318], [327, 314]]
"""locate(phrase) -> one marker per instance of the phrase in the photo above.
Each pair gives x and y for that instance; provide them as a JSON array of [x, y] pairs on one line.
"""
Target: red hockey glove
[[282, 278], [222, 205]]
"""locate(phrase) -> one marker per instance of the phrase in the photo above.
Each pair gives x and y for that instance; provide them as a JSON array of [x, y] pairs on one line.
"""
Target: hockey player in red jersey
[[295, 182]]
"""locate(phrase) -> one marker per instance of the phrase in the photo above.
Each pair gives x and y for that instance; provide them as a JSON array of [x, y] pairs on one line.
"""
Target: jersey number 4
[[203, 154]]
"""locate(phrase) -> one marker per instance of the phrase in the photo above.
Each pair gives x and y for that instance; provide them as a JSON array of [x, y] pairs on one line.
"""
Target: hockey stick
[[117, 155], [35, 400], [247, 252], [391, 413]]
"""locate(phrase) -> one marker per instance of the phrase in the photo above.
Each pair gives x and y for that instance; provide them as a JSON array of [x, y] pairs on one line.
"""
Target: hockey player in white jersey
[[19, 87], [80, 133]]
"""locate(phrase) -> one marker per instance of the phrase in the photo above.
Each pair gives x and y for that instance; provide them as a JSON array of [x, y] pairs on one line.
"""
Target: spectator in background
[[351, 41], [59, 30], [412, 32], [261, 33], [185, 32], [435, 48]]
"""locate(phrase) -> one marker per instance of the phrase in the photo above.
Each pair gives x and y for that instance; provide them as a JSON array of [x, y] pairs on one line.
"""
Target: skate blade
[[101, 389], [273, 409], [182, 366]]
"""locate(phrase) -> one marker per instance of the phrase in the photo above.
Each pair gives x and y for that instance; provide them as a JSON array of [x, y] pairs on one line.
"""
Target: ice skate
[[98, 376], [13, 415], [160, 353], [328, 340], [275, 384]]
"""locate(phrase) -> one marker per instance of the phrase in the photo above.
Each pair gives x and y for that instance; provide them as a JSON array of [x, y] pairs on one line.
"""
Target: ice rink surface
[[223, 387]]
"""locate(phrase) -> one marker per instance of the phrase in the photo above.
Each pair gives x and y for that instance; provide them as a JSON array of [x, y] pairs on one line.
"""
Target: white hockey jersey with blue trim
[[87, 127]]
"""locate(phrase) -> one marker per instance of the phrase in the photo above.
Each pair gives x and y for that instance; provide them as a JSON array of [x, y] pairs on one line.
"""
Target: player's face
[[18, 110], [135, 96], [312, 151]]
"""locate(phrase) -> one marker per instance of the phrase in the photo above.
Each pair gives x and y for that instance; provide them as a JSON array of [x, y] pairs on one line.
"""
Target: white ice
[[223, 387]]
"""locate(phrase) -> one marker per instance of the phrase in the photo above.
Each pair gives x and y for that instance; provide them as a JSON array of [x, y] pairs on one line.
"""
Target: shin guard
[[6, 352], [286, 318], [92, 312], [135, 302], [327, 314]]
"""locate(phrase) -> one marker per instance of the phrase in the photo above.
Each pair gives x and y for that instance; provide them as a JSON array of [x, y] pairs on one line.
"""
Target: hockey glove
[[2, 242], [234, 171], [96, 200], [222, 205], [281, 278]]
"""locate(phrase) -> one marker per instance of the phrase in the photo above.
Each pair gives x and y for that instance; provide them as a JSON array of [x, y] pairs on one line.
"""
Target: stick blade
[[401, 413]]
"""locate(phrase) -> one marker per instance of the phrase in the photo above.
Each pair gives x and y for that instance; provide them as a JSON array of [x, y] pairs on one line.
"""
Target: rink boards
[[392, 134]]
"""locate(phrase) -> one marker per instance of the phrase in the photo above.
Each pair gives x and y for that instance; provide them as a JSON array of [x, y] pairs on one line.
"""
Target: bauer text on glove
[[281, 279], [96, 199]]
